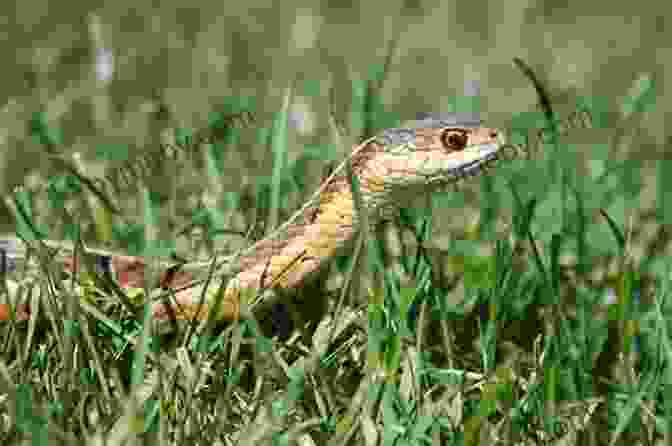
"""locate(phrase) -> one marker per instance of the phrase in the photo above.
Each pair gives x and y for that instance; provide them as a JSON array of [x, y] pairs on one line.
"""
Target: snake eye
[[454, 139]]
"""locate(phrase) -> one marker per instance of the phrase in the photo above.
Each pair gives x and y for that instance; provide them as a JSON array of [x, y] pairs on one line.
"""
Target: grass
[[529, 355]]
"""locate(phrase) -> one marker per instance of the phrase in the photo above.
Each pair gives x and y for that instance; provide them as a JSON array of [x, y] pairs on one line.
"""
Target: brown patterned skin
[[392, 168]]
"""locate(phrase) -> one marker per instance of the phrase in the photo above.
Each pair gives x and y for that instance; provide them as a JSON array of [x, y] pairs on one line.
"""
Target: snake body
[[393, 168]]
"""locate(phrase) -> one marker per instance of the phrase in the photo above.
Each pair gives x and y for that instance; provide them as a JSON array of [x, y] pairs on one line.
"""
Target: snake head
[[437, 150]]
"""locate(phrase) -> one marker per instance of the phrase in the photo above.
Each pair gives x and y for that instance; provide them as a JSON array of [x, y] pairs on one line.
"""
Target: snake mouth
[[483, 160], [486, 156], [483, 156]]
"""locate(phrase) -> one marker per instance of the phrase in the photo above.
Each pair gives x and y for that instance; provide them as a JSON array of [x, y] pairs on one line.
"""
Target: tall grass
[[529, 355]]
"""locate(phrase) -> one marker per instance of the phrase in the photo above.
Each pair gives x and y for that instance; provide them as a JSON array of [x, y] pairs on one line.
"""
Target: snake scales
[[392, 168]]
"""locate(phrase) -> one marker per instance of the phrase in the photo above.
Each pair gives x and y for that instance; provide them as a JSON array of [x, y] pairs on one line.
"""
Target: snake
[[392, 169]]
